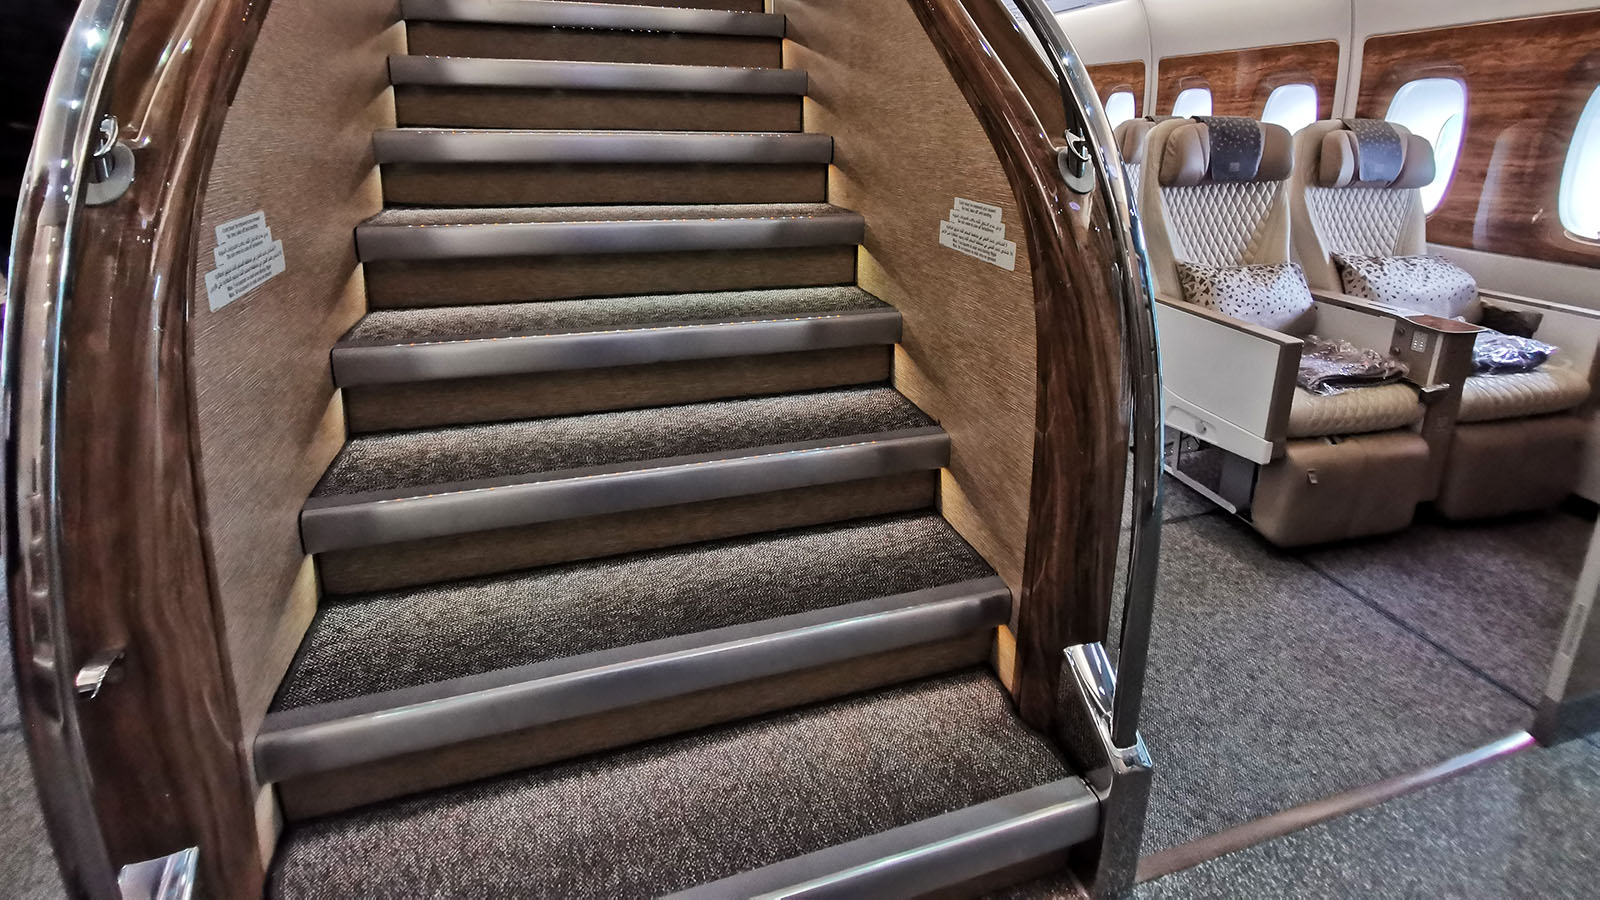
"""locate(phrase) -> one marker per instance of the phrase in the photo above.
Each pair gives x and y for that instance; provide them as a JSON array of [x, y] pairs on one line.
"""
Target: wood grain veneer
[[343, 789], [1241, 80], [1527, 83], [571, 185], [591, 45], [513, 279], [524, 547], [472, 107], [461, 401], [1110, 78]]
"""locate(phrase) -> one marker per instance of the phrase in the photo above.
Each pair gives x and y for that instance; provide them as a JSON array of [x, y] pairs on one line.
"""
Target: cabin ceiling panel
[[1113, 32]]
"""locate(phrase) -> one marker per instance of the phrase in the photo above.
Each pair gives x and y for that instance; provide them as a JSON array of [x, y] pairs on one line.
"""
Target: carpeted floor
[[498, 215], [720, 801], [604, 312], [27, 868], [396, 639], [433, 456], [1527, 826]]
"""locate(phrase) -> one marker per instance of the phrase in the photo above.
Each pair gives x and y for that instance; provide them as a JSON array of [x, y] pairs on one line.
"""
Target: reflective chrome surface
[[165, 878]]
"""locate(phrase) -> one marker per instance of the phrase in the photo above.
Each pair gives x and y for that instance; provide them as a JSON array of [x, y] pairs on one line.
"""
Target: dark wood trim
[[1129, 76], [1242, 80], [1504, 196], [1079, 451], [164, 746]]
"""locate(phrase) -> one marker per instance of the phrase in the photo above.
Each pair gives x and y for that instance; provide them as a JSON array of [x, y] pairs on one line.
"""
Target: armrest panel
[[1436, 351], [1572, 328]]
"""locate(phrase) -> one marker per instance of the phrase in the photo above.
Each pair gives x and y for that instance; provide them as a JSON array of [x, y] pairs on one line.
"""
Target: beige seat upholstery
[[1322, 484], [1334, 211], [1130, 137]]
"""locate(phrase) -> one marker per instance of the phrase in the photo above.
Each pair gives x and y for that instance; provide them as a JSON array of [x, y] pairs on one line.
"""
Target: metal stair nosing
[[603, 16]]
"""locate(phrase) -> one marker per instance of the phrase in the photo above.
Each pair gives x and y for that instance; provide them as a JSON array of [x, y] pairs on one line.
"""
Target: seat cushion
[[1355, 411], [1272, 296], [1429, 284], [1550, 388]]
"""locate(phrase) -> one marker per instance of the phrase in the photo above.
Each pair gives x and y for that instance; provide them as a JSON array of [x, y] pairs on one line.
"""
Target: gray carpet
[[605, 312], [1528, 826], [501, 215], [434, 456], [396, 639], [27, 865], [1271, 686], [669, 815], [1494, 594]]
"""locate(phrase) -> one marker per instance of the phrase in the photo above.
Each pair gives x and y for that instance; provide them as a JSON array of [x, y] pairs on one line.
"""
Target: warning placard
[[975, 229], [247, 257]]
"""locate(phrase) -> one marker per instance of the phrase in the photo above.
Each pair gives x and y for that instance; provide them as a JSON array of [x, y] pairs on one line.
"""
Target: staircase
[[634, 581]]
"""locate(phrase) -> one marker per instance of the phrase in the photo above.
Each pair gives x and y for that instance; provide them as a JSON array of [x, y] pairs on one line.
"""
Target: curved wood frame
[[164, 748], [1079, 455], [1241, 80]]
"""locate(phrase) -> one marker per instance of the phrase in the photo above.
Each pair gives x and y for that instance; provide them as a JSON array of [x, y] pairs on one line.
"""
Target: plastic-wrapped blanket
[[1494, 353], [1329, 367]]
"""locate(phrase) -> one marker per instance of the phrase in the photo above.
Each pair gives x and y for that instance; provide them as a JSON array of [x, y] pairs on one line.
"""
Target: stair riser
[[734, 5], [585, 45], [347, 788], [567, 185], [512, 279], [468, 107], [468, 400], [509, 549]]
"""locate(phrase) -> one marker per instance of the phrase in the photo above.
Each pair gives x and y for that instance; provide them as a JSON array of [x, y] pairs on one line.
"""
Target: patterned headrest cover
[[1236, 145], [1225, 149], [1372, 153], [1380, 150]]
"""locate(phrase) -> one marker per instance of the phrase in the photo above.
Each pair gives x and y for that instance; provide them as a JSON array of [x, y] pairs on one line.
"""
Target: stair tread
[[436, 216], [716, 802], [552, 74], [439, 456], [600, 15], [390, 640], [461, 322], [534, 146]]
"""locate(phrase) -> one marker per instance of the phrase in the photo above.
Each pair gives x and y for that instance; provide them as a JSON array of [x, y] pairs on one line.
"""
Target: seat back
[[1130, 137], [1357, 189], [1213, 193]]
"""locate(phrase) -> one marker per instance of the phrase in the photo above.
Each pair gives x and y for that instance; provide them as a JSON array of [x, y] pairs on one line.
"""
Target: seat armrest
[[1437, 351], [1573, 329], [1227, 382]]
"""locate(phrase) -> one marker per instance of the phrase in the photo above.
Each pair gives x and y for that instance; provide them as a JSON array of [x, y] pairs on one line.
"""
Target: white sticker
[[242, 228], [237, 251], [223, 286], [978, 245], [973, 208]]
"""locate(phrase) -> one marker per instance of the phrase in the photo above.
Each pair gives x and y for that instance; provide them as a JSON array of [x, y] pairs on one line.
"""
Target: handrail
[[1082, 105], [42, 264]]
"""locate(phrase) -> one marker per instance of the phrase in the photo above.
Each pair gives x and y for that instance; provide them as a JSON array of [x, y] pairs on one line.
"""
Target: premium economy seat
[[1505, 442], [1130, 137], [1235, 316]]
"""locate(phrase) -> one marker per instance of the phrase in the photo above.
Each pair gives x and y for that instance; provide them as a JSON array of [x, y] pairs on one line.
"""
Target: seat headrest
[[1372, 153], [1130, 139], [1218, 149]]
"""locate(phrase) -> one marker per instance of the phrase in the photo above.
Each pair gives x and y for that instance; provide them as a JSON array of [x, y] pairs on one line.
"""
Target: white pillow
[[1427, 284], [1272, 296]]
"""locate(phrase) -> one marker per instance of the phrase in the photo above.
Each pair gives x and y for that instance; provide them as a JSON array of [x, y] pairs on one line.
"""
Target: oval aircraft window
[[1119, 107], [1435, 108], [1193, 102], [1580, 180], [1294, 106]]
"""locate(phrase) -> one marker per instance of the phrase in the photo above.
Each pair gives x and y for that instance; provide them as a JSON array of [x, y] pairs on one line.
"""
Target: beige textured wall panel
[[906, 145], [297, 145]]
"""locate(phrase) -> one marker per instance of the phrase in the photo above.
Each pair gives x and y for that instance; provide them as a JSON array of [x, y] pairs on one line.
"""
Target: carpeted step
[[605, 15], [430, 344], [716, 803]]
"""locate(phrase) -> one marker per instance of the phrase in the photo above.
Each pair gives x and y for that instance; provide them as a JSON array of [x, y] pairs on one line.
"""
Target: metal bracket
[[1075, 160], [111, 169], [102, 667], [168, 877]]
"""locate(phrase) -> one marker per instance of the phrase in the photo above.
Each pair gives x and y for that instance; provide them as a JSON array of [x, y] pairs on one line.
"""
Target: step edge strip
[[333, 736], [608, 16], [565, 75], [446, 146], [387, 243], [916, 859], [342, 522], [442, 359]]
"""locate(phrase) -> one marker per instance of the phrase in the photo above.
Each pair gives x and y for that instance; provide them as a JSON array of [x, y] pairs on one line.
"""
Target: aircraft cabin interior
[[721, 449]]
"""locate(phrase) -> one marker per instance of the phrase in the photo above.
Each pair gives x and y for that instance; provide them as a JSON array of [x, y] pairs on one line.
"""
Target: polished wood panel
[[1527, 83], [1242, 80], [1128, 76], [1079, 423], [524, 547], [333, 791], [461, 401], [473, 39], [512, 185]]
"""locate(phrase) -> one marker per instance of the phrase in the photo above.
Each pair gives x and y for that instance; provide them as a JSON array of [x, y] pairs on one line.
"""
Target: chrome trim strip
[[380, 243], [435, 145], [921, 858], [612, 16], [1082, 105], [170, 877], [364, 729], [384, 517], [456, 71], [446, 358]]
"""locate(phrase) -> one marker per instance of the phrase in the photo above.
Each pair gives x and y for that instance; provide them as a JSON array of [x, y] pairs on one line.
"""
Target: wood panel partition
[[1527, 83], [1109, 78], [1240, 81]]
